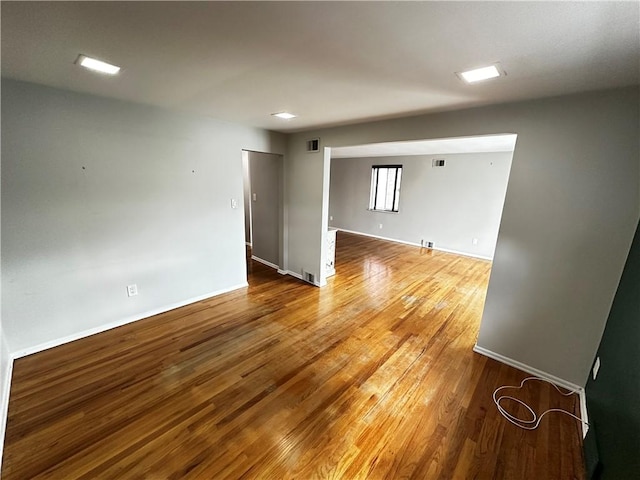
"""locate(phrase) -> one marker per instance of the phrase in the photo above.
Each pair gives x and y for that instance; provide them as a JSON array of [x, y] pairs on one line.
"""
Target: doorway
[[263, 203], [450, 197]]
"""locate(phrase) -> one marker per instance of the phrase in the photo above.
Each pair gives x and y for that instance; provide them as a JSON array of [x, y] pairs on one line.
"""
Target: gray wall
[[569, 216], [448, 205], [99, 194], [304, 196], [246, 187], [266, 225]]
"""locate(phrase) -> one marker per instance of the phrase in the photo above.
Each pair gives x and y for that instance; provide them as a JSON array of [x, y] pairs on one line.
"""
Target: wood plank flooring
[[372, 376]]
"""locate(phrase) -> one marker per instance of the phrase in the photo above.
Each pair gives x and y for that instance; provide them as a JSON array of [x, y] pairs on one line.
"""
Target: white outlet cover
[[234, 203], [596, 367], [132, 290], [255, 197]]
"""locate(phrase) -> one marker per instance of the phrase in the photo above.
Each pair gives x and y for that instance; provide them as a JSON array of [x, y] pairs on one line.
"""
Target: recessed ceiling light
[[97, 65], [479, 74], [284, 115]]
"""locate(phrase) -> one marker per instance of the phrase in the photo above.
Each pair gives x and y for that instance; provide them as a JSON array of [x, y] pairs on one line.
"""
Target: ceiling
[[331, 63], [480, 144]]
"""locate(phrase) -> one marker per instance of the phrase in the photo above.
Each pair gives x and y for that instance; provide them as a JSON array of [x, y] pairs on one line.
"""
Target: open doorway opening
[[445, 194], [421, 220], [263, 204]]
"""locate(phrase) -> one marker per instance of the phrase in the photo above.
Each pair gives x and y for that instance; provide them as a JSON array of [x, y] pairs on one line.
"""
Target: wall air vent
[[437, 162], [313, 145]]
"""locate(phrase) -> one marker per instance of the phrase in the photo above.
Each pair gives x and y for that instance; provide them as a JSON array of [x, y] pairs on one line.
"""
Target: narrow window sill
[[382, 211]]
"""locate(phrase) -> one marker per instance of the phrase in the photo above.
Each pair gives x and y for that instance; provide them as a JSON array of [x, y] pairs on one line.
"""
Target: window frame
[[375, 182]]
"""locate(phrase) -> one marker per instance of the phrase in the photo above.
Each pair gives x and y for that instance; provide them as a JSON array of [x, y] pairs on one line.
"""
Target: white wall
[[6, 364], [448, 205], [569, 215], [99, 194], [246, 186]]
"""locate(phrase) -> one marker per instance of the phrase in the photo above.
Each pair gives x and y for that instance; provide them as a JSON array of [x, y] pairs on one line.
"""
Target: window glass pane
[[372, 195], [390, 189], [397, 202], [382, 188], [385, 188]]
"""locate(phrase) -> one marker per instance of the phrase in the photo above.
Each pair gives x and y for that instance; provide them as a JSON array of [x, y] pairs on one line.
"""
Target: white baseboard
[[293, 274], [464, 254], [544, 375], [264, 262], [526, 368], [584, 415], [413, 244], [298, 276], [378, 237], [283, 272], [108, 326]]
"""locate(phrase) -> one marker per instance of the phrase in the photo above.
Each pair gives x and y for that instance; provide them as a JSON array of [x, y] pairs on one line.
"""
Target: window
[[385, 188]]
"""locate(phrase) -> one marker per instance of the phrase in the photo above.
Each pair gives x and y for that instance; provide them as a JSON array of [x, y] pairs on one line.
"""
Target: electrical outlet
[[255, 197], [234, 203], [380, 225], [596, 367], [330, 217], [132, 290], [474, 241]]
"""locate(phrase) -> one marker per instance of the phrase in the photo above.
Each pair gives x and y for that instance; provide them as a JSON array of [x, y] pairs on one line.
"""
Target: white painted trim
[[264, 262], [464, 254], [295, 274], [526, 368], [377, 236], [4, 407], [584, 415], [439, 249], [544, 375], [108, 326], [248, 244], [298, 276], [324, 221]]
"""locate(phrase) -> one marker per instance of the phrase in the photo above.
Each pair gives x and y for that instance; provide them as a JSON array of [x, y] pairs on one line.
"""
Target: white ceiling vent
[[313, 145], [437, 162]]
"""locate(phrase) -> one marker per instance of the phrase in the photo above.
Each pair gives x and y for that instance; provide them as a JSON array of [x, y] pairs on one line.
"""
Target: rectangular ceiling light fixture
[[284, 115], [97, 65], [479, 74]]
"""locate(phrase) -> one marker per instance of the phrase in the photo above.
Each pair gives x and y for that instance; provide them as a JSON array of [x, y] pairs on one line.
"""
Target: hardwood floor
[[372, 376]]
